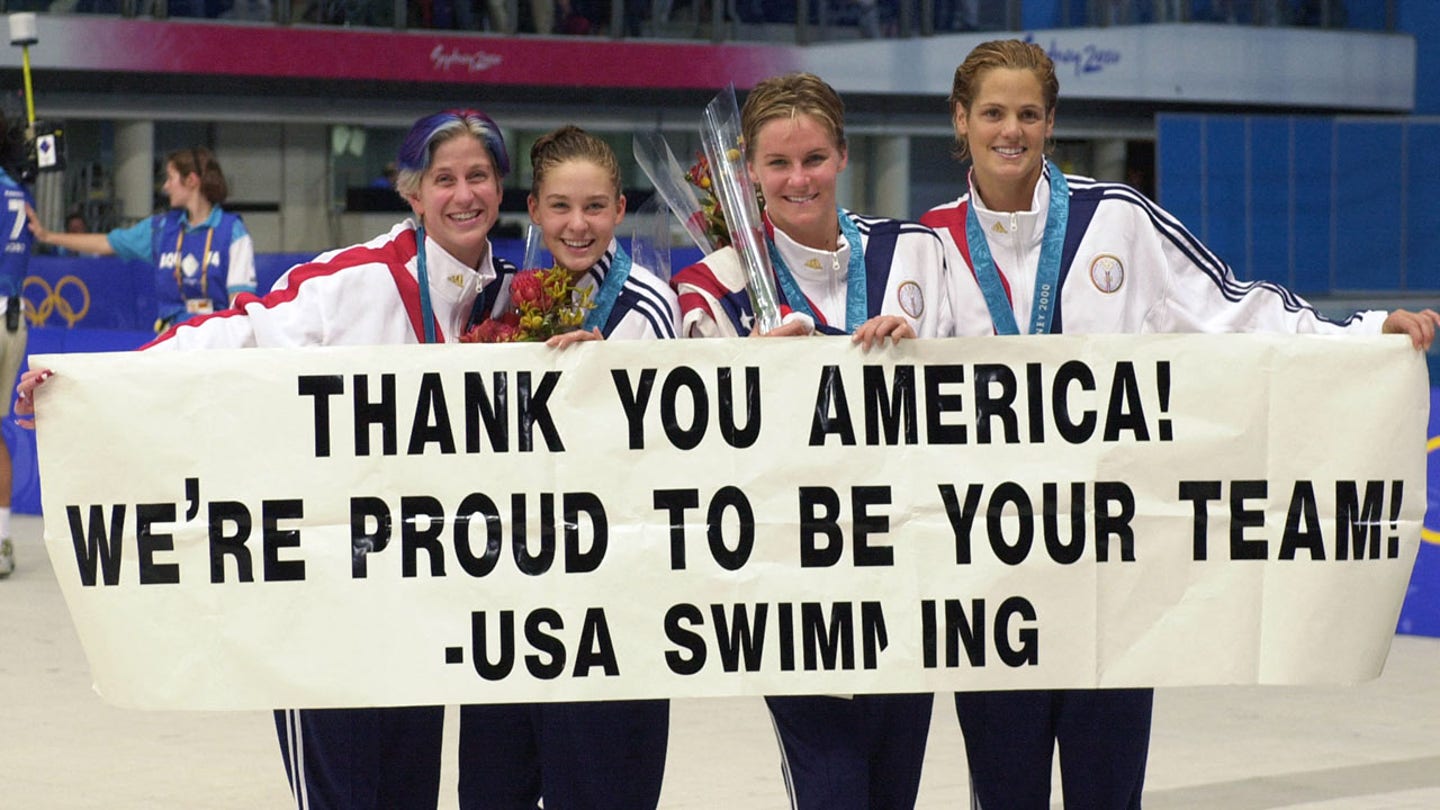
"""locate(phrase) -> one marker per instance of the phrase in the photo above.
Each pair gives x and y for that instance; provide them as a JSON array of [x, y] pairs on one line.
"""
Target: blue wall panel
[[1269, 208], [1367, 15], [1325, 206], [1422, 187], [1180, 167], [1368, 237], [1223, 226], [93, 292], [1041, 14], [1311, 219], [1422, 17]]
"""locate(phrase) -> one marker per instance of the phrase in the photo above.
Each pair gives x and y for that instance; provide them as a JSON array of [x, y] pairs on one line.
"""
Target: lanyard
[[427, 312], [856, 302], [1047, 274], [609, 290], [204, 262]]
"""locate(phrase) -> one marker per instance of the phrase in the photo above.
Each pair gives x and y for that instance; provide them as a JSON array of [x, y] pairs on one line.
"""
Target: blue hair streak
[[429, 132]]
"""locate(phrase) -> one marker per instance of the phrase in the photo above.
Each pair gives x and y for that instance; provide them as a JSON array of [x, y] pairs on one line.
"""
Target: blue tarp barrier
[[1421, 613]]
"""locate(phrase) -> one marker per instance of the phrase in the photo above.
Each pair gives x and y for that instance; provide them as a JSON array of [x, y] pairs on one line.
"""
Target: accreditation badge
[[199, 306]]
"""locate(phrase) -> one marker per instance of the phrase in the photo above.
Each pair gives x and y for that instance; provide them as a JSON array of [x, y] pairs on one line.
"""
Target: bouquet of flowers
[[545, 303], [710, 218]]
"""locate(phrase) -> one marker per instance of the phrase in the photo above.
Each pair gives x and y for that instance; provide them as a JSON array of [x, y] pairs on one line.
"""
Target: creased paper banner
[[469, 524]]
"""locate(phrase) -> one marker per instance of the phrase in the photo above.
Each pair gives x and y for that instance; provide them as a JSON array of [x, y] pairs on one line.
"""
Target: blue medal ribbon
[[609, 290], [427, 312], [1047, 275], [857, 308]]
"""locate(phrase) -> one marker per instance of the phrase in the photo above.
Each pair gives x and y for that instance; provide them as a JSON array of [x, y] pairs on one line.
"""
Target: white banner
[[473, 524]]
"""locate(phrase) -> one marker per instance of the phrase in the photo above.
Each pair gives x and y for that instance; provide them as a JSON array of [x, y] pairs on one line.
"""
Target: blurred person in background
[[202, 255]]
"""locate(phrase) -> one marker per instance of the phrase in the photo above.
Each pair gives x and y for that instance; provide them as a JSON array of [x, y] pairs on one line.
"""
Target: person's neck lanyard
[[609, 290], [856, 302], [204, 263], [427, 312], [1047, 275]]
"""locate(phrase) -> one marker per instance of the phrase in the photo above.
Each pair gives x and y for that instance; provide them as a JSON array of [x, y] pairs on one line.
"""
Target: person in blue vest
[[836, 273], [13, 263], [202, 255]]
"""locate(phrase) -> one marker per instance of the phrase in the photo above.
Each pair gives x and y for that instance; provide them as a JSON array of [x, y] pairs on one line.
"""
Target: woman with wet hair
[[1034, 251]]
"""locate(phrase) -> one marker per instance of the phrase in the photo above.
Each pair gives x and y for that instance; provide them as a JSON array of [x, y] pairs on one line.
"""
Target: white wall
[[307, 220], [282, 165]]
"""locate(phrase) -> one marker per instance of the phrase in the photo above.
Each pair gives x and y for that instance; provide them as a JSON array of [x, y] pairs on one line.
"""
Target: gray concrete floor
[[1375, 746]]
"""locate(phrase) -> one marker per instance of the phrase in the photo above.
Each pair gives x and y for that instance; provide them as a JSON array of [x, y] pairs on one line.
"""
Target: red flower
[[711, 216], [490, 331], [528, 290]]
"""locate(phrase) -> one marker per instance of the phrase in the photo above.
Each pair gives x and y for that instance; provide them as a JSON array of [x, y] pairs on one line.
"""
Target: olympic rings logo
[[55, 300]]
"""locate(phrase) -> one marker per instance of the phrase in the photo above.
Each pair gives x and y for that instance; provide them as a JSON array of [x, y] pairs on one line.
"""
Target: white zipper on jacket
[[1018, 272]]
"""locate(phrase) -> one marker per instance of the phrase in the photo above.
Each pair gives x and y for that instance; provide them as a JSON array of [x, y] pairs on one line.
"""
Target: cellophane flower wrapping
[[725, 151], [674, 188]]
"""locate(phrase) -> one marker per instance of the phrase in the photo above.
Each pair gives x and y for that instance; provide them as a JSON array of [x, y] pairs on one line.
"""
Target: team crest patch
[[911, 299], [1107, 273]]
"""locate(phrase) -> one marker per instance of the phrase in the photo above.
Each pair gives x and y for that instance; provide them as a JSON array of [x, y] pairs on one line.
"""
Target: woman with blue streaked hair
[[422, 282]]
